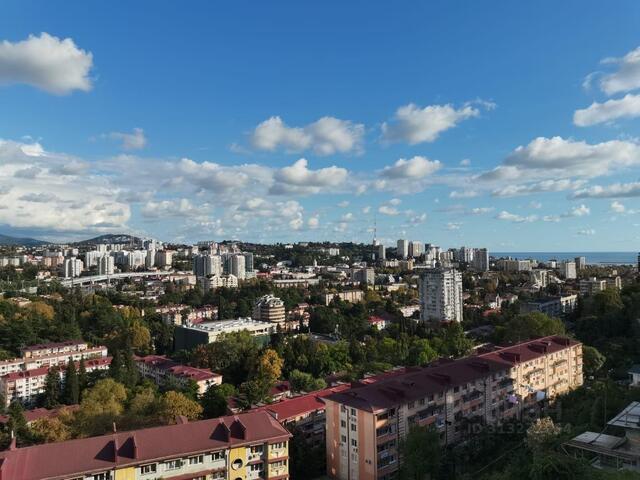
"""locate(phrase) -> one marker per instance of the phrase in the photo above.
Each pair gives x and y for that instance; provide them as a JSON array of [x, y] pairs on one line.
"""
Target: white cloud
[[463, 194], [587, 232], [616, 190], [465, 162], [326, 136], [550, 158], [343, 204], [387, 210], [46, 62], [135, 140], [395, 202], [300, 175], [454, 226], [626, 78], [313, 222], [625, 107], [512, 217], [348, 217], [537, 187], [413, 124], [481, 210], [414, 168], [617, 207], [579, 211], [366, 210], [172, 208]]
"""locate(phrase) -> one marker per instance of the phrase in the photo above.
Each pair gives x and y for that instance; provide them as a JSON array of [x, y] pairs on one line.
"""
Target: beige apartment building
[[365, 424]]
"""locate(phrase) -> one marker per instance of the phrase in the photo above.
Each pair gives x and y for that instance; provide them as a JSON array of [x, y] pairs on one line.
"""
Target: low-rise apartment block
[[51, 354], [553, 306], [163, 370], [250, 446], [25, 385], [365, 424]]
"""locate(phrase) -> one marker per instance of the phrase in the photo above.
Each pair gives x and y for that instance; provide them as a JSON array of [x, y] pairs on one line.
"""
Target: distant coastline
[[593, 258]]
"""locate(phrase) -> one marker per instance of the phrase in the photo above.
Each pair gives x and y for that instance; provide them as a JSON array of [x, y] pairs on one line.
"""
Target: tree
[[233, 355], [52, 388], [101, 406], [17, 423], [592, 359], [49, 429], [83, 380], [71, 389], [421, 453], [305, 382], [174, 404], [525, 326], [214, 400]]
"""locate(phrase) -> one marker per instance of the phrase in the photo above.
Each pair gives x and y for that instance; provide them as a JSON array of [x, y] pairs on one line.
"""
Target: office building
[[164, 258], [187, 337], [72, 267], [441, 295], [581, 262], [403, 248], [164, 371], [366, 424], [511, 265], [151, 259], [106, 265], [248, 261], [382, 252], [352, 296], [235, 265], [91, 258], [247, 446], [270, 309]]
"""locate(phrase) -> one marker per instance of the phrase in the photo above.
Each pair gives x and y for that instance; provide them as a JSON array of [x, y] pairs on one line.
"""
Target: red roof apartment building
[[365, 424], [162, 370], [249, 446]]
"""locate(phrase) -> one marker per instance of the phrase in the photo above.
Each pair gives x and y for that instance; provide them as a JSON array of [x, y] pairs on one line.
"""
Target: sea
[[593, 258]]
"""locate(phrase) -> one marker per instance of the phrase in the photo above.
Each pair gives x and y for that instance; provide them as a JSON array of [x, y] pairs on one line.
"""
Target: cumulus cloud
[[388, 210], [616, 190], [313, 222], [617, 207], [537, 187], [413, 124], [552, 158], [414, 168], [326, 136], [298, 178], [172, 208], [512, 217], [135, 140], [625, 107], [46, 62], [463, 194], [627, 75], [579, 211]]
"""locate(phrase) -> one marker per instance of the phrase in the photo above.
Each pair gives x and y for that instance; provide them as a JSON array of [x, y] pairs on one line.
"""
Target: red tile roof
[[57, 461], [416, 383], [163, 363], [291, 408]]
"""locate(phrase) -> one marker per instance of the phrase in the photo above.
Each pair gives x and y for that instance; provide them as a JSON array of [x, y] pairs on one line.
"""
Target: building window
[[343, 423], [173, 464], [353, 427], [102, 476], [354, 442], [196, 460], [343, 438], [257, 449], [146, 469], [276, 446], [217, 456], [411, 405]]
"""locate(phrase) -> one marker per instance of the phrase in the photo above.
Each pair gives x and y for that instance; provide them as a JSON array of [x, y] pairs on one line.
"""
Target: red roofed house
[[250, 446], [161, 369], [378, 322], [304, 413], [366, 423]]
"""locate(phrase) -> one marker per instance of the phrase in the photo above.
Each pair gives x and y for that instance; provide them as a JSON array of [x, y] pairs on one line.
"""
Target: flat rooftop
[[226, 325], [627, 418]]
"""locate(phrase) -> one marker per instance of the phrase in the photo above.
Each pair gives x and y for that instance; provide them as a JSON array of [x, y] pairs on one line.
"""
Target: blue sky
[[493, 124]]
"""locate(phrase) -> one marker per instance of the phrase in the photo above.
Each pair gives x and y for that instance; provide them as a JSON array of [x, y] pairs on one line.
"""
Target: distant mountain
[[26, 242], [111, 238]]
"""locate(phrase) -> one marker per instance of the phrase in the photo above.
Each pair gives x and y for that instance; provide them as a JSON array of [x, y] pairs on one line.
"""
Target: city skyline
[[289, 122]]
